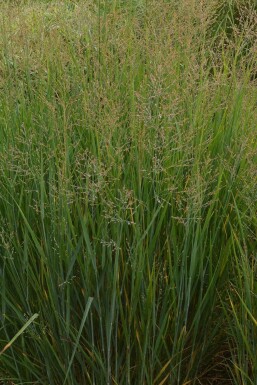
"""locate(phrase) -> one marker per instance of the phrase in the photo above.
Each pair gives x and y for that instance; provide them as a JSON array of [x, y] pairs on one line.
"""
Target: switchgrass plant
[[128, 194]]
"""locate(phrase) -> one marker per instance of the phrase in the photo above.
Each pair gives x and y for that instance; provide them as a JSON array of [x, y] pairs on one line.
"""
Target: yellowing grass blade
[[24, 327]]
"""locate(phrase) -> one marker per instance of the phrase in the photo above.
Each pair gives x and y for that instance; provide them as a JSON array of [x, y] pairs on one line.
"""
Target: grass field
[[128, 192]]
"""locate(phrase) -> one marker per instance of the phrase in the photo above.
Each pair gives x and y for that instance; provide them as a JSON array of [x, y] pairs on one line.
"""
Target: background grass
[[128, 192]]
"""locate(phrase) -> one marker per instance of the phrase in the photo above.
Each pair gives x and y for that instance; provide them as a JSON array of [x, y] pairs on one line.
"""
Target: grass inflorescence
[[128, 192]]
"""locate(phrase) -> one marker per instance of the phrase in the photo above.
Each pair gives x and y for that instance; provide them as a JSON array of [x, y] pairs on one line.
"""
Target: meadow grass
[[128, 192]]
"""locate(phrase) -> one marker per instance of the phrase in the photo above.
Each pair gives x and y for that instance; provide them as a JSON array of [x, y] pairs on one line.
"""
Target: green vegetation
[[128, 227]]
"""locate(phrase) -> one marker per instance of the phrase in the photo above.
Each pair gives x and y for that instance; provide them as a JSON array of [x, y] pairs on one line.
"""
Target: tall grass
[[128, 193]]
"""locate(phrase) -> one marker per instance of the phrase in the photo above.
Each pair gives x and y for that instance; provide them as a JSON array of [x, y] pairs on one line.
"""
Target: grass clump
[[127, 195]]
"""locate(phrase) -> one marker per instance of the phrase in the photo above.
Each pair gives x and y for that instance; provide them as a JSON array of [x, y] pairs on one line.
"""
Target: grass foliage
[[128, 192]]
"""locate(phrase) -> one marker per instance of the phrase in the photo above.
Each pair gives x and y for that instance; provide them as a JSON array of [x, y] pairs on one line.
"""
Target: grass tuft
[[128, 192]]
